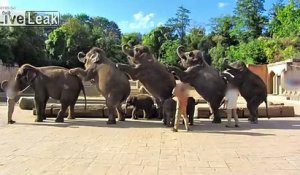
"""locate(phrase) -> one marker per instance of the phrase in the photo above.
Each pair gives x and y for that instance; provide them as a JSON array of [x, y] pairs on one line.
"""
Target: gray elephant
[[153, 75], [141, 102], [111, 82], [250, 85], [169, 111], [50, 81], [206, 80]]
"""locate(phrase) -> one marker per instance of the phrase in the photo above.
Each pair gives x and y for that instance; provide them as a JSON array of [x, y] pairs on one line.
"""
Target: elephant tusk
[[226, 72]]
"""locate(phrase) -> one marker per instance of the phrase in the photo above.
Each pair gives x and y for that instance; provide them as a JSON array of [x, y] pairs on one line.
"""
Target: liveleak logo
[[29, 18]]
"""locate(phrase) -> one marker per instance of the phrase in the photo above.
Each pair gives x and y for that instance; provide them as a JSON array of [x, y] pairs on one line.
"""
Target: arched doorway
[[271, 87]]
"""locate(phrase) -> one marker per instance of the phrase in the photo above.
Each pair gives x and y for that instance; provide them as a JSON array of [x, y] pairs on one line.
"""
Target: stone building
[[284, 78]]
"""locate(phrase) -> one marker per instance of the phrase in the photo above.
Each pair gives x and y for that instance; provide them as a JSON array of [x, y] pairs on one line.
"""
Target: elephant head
[[25, 76], [139, 54], [191, 58], [235, 73], [95, 55]]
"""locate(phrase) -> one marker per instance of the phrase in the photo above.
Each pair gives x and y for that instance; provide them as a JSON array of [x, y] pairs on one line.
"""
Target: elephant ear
[[31, 75], [200, 57], [242, 66], [95, 57], [28, 71]]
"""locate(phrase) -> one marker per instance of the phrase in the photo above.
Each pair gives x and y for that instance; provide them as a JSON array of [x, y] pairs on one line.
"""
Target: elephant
[[169, 111], [141, 102], [251, 87], [110, 82], [153, 75], [50, 81], [206, 80]]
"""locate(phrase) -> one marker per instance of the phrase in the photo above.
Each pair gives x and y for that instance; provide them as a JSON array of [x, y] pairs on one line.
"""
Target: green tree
[[168, 52], [250, 21], [131, 39], [22, 45], [180, 23], [252, 52], [285, 19], [156, 37], [223, 26], [195, 38], [66, 41]]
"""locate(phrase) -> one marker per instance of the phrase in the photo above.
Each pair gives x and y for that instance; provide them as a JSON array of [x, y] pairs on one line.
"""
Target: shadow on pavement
[[199, 127]]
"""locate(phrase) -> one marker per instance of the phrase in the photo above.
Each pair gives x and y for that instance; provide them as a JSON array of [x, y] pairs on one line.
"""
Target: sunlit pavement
[[89, 146]]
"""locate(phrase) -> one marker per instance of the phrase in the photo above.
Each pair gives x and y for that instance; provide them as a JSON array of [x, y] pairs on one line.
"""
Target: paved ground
[[89, 146]]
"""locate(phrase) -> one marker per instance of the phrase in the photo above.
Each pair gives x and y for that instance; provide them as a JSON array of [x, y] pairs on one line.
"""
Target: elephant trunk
[[180, 51], [81, 57], [127, 51]]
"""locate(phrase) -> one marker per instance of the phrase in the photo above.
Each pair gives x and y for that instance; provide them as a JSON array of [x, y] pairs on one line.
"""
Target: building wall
[[261, 70]]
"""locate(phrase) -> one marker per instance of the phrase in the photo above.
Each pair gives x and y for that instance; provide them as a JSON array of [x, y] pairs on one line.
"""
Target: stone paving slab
[[89, 146]]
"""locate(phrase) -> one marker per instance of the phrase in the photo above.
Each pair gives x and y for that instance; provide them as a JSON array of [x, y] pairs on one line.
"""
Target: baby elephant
[[141, 102], [169, 111]]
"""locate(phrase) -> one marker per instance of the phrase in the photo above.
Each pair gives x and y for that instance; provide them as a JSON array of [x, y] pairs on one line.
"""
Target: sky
[[135, 15]]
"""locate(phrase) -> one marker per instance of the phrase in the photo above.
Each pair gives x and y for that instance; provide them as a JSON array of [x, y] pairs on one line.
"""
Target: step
[[273, 111]]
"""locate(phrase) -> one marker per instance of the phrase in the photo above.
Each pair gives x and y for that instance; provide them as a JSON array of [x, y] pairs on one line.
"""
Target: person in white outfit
[[230, 103], [11, 95]]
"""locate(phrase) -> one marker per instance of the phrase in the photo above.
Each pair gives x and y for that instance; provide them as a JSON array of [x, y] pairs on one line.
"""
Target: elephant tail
[[266, 102], [83, 91]]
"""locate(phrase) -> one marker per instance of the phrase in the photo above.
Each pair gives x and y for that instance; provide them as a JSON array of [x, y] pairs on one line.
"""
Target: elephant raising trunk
[[126, 49], [81, 57], [180, 52]]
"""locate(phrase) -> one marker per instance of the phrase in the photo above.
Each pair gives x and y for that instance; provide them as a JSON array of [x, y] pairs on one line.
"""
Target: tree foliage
[[180, 23], [246, 35]]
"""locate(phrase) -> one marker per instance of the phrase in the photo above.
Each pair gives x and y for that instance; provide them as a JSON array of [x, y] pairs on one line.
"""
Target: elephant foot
[[71, 118], [216, 120], [254, 122], [121, 119], [59, 120], [111, 122], [191, 124], [38, 120], [44, 118]]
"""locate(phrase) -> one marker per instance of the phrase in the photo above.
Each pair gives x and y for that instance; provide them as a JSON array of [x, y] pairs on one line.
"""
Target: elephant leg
[[165, 118], [71, 112], [169, 118], [121, 114], [40, 104], [44, 108], [191, 115], [253, 109], [61, 112], [148, 113], [111, 117], [111, 111], [133, 116], [217, 118], [159, 108], [39, 110], [144, 114]]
